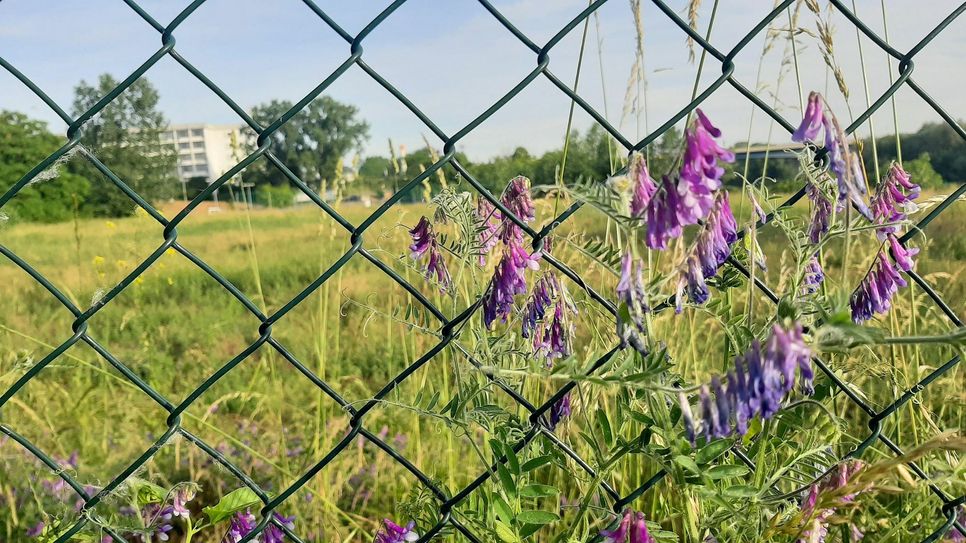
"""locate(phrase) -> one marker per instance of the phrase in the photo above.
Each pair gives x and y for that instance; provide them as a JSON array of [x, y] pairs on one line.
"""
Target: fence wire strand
[[448, 328]]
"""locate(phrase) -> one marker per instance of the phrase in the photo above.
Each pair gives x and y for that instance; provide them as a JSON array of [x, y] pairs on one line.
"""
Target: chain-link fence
[[946, 516]]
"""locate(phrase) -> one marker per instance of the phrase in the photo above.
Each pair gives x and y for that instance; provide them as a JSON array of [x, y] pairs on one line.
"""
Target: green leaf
[[535, 463], [713, 450], [507, 480], [501, 508], [687, 463], [538, 491], [729, 470], [740, 491], [505, 533], [230, 504], [537, 517], [605, 427], [511, 459]]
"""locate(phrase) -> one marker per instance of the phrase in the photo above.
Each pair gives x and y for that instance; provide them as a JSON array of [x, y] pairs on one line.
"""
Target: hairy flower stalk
[[816, 529], [632, 529], [711, 249], [424, 242], [757, 385], [644, 187], [632, 298], [509, 278], [488, 223], [394, 533], [843, 163], [893, 200], [874, 294]]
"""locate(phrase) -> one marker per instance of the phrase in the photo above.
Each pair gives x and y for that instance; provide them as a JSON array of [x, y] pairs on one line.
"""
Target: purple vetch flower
[[713, 244], [821, 213], [394, 533], [644, 186], [875, 293], [954, 535], [516, 198], [901, 254], [843, 163], [424, 241], [700, 173], [181, 497], [488, 219], [632, 296], [692, 283], [760, 380], [759, 212], [36, 530], [812, 122], [662, 219], [555, 338], [541, 297], [816, 529], [559, 411], [632, 529], [274, 534], [814, 275], [893, 200], [509, 280], [157, 522], [242, 523]]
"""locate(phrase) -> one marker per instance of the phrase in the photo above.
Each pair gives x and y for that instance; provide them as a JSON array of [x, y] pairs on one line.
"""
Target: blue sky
[[454, 60]]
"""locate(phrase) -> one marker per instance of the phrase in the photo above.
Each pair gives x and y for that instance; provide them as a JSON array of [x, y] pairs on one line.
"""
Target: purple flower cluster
[[814, 275], [394, 533], [424, 241], [274, 534], [893, 200], [843, 163], [241, 525], [817, 527], [158, 522], [559, 411], [633, 304], [488, 222], [685, 197], [761, 379], [632, 529], [874, 294], [711, 249], [509, 278], [821, 213], [552, 336]]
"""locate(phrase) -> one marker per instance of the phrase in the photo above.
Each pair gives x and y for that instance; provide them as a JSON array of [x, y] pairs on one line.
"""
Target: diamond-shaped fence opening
[[356, 438]]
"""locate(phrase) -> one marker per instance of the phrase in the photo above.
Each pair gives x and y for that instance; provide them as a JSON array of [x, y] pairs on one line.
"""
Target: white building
[[205, 150]]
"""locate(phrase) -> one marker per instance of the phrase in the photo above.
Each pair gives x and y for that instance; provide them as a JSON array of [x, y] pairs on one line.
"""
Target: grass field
[[175, 326]]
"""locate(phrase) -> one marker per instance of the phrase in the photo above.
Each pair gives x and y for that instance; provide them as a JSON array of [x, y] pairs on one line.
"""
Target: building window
[[184, 145], [197, 132], [182, 133], [186, 170], [199, 157]]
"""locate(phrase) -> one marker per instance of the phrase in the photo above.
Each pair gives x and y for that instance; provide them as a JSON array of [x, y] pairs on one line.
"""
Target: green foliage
[[310, 144], [275, 195], [126, 137], [947, 151], [24, 143]]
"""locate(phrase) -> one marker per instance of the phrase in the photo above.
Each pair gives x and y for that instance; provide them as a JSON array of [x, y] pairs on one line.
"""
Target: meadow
[[175, 326]]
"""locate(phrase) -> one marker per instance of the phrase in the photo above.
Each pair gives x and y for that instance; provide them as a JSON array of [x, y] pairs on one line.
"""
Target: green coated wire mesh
[[946, 516]]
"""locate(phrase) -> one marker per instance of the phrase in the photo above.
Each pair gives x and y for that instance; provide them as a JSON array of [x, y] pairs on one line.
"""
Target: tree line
[[321, 146]]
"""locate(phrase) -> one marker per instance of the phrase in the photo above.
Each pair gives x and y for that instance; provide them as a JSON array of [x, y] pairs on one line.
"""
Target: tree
[[922, 173], [57, 194], [125, 136], [311, 143]]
